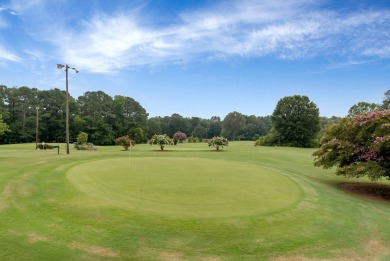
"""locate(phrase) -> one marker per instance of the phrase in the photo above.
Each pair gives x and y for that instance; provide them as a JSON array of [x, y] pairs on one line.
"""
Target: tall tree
[[154, 126], [386, 101], [296, 121], [232, 124], [199, 131], [128, 114], [21, 103], [96, 110], [52, 115], [178, 123], [3, 126], [362, 107], [215, 127]]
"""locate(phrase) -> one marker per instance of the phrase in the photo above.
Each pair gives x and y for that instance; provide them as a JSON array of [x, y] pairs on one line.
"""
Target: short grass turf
[[185, 187], [100, 205]]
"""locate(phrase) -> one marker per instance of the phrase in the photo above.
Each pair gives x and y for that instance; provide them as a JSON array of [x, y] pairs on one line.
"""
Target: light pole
[[36, 130], [60, 66]]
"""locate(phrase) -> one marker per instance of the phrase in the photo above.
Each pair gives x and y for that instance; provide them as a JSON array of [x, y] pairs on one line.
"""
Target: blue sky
[[202, 58]]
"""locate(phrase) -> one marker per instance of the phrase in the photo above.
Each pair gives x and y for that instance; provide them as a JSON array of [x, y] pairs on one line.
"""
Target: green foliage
[[160, 140], [3, 125], [44, 146], [386, 101], [124, 141], [200, 131], [233, 123], [193, 139], [218, 142], [82, 138], [358, 146], [85, 146], [138, 135], [296, 121], [362, 107]]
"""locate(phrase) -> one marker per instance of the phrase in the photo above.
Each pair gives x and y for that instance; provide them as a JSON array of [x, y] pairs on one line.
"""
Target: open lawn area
[[188, 202]]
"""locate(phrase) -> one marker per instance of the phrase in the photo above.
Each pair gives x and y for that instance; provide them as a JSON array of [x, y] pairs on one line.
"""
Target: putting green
[[183, 187]]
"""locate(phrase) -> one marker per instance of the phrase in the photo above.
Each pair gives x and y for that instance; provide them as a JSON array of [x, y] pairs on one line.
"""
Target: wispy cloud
[[6, 55], [297, 29]]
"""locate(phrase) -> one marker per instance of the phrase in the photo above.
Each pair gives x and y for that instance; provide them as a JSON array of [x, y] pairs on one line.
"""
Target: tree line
[[294, 122], [105, 118]]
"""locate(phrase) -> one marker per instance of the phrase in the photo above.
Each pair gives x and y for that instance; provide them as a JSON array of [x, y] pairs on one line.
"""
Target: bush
[[82, 138], [44, 146], [192, 139], [218, 142], [85, 146], [160, 140], [124, 141], [179, 137], [137, 135]]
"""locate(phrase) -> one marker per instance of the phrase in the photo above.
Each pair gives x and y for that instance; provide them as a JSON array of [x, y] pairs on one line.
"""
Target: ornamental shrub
[[179, 137], [358, 146], [124, 141], [160, 140], [218, 142]]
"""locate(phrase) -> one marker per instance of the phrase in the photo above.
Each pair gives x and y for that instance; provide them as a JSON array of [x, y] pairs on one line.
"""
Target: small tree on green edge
[[161, 140], [82, 138], [124, 141], [358, 146], [218, 142], [179, 137], [82, 142]]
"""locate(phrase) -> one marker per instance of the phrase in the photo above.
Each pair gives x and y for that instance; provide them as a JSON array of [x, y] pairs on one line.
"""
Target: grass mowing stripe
[[49, 219], [186, 187]]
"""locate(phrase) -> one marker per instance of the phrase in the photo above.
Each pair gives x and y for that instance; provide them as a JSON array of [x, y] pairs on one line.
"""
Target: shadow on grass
[[373, 191]]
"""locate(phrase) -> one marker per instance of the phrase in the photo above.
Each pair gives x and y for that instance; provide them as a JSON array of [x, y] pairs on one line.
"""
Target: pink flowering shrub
[[358, 146], [179, 137]]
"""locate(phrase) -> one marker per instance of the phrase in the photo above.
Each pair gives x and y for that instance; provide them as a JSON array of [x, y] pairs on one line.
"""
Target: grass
[[186, 203]]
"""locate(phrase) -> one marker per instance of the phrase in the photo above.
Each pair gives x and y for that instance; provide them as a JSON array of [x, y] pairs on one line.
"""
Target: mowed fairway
[[186, 203]]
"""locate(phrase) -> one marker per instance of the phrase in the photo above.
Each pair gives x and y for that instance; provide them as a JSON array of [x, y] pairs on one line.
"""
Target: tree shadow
[[373, 191]]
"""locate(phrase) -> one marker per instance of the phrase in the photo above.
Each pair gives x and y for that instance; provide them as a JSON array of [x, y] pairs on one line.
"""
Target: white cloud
[[284, 29], [6, 55]]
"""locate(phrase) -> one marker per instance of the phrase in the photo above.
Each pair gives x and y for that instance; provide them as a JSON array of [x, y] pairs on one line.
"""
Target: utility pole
[[60, 66]]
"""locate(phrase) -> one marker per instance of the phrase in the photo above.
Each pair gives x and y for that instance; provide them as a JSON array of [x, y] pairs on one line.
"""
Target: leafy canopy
[[218, 142], [3, 126], [82, 138], [179, 137], [296, 121], [358, 146], [160, 140], [124, 141]]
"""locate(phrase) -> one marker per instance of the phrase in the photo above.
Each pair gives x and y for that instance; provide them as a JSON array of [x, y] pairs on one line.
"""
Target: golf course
[[188, 202]]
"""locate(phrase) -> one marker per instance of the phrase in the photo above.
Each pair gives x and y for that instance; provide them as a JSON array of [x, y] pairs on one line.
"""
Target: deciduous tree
[[296, 121], [232, 124], [218, 142], [160, 140], [124, 141], [358, 146], [362, 107], [386, 101], [3, 126], [179, 137]]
